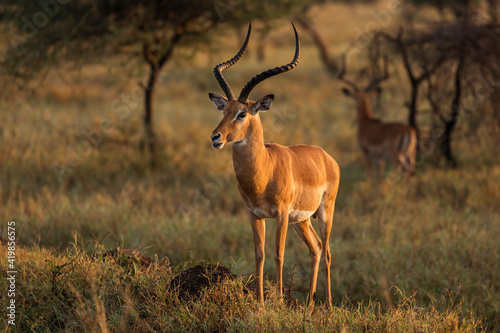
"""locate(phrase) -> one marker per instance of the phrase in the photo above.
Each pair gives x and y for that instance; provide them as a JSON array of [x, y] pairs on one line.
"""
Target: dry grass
[[418, 257], [76, 292]]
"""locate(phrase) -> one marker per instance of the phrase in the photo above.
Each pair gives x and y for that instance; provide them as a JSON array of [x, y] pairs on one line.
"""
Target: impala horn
[[343, 65], [270, 72], [225, 65]]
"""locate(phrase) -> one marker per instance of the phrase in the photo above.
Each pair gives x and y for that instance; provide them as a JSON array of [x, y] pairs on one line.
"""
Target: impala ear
[[346, 92], [219, 101], [263, 104]]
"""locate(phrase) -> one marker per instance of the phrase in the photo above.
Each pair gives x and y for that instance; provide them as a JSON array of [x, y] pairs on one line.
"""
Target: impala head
[[362, 94], [372, 90], [241, 115], [237, 118]]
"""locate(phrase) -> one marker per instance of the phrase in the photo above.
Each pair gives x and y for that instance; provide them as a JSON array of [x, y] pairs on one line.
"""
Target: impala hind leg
[[279, 252], [407, 165], [325, 218], [410, 158], [259, 233], [309, 236]]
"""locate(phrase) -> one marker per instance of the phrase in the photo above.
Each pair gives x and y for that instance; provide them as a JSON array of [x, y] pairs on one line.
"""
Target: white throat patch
[[240, 143]]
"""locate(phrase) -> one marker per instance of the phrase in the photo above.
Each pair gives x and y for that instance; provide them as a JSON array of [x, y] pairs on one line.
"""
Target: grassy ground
[[423, 256], [78, 292]]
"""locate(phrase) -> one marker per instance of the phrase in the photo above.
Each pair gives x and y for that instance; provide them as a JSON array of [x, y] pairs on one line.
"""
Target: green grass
[[412, 257]]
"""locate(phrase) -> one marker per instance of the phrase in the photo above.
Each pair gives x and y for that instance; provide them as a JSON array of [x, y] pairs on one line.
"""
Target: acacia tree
[[48, 32], [444, 57], [328, 60], [446, 62], [419, 63], [449, 56], [465, 51]]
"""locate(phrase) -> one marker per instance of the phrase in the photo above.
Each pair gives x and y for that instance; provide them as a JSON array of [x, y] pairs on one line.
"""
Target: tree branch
[[329, 61], [148, 55], [173, 42]]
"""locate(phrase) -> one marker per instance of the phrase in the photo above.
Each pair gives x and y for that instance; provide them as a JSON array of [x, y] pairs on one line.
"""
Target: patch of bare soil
[[191, 282]]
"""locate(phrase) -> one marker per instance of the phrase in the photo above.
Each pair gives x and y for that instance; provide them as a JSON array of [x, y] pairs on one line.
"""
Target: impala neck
[[250, 157], [364, 108]]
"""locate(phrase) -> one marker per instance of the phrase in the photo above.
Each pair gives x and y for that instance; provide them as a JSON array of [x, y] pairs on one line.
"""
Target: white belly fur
[[264, 214], [294, 215], [299, 215]]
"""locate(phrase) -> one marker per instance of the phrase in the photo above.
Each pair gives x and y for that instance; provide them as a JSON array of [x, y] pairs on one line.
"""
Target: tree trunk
[[452, 120], [150, 137], [495, 104], [155, 66], [412, 114], [415, 83]]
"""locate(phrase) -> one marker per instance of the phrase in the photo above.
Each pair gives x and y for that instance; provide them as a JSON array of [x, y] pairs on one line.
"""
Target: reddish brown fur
[[289, 184], [380, 141]]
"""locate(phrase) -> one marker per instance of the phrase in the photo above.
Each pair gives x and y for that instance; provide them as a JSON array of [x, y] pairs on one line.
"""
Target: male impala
[[289, 184], [380, 141]]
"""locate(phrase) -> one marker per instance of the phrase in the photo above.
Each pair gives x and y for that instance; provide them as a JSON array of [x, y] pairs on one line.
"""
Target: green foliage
[[45, 33]]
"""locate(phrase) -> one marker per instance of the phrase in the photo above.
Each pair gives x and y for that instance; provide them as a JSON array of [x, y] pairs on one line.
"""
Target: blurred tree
[[462, 8], [307, 23], [420, 63], [328, 60], [464, 43], [449, 56], [47, 33]]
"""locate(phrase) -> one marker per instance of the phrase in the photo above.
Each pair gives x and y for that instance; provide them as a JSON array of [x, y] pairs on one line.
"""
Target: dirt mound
[[191, 282], [128, 258]]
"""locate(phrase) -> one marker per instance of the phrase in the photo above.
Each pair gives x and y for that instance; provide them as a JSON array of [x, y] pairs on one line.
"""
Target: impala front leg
[[279, 253], [380, 170], [368, 165], [259, 237]]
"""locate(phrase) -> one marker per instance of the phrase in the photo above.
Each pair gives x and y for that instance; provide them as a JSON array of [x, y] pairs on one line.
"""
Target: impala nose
[[215, 137], [216, 141]]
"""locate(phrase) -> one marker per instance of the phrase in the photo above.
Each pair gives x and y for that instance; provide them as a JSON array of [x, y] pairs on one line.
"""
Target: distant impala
[[289, 184], [380, 141]]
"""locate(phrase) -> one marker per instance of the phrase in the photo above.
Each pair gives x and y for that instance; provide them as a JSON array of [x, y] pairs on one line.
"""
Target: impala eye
[[241, 115]]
